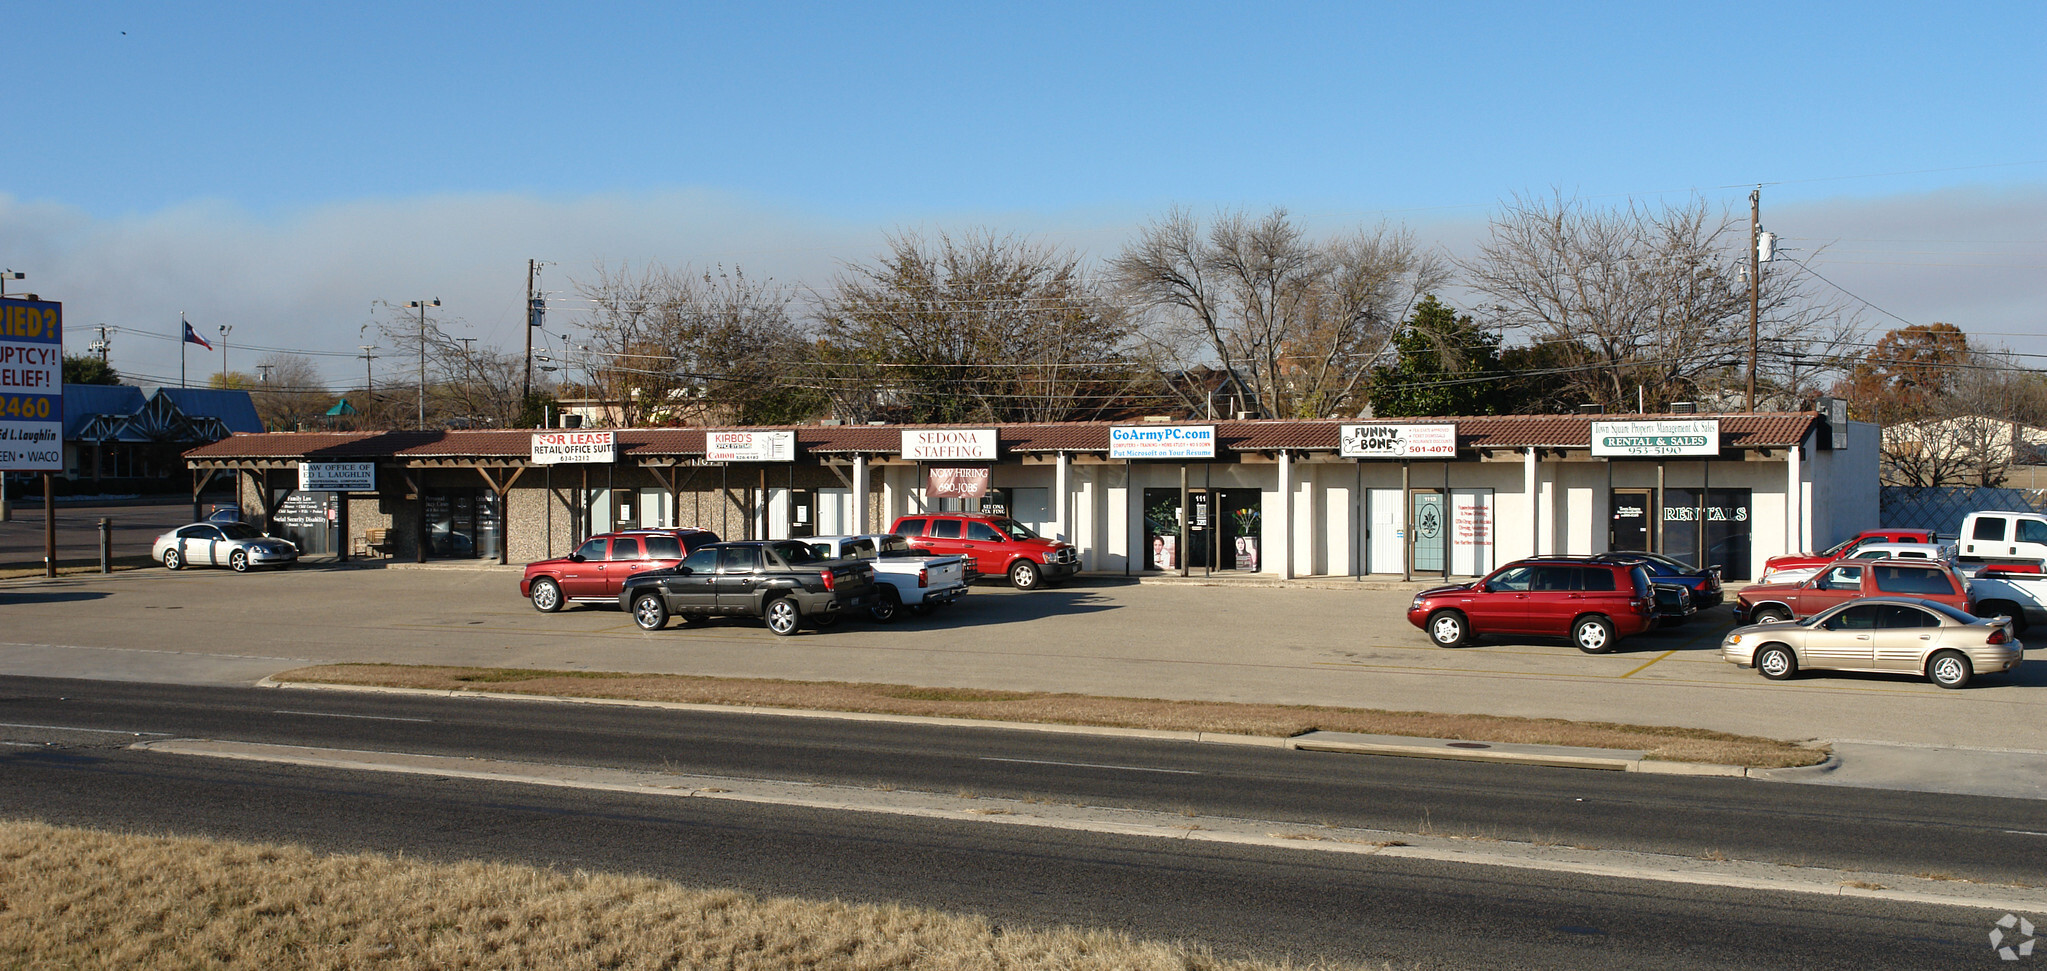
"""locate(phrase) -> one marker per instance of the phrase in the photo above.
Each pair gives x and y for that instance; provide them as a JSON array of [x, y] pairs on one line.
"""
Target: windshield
[[898, 546], [796, 554], [1016, 530], [241, 531]]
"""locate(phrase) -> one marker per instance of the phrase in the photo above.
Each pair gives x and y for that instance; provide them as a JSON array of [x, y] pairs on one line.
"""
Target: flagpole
[[182, 327]]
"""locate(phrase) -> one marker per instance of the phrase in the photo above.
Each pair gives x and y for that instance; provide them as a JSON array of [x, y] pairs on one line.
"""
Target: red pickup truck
[[1797, 561], [1764, 602], [998, 546]]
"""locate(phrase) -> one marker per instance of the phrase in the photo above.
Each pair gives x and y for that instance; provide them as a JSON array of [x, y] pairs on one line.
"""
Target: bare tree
[[1649, 302], [288, 391], [1299, 323], [979, 328], [677, 347]]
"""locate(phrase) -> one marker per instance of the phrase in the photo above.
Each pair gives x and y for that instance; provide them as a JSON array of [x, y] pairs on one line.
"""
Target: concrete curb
[[1615, 760]]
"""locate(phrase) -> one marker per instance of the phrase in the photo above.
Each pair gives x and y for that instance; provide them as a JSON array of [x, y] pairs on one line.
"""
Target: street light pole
[[224, 329], [422, 305], [1755, 285]]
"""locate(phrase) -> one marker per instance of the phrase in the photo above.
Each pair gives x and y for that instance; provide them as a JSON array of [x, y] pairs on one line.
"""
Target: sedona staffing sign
[[31, 386]]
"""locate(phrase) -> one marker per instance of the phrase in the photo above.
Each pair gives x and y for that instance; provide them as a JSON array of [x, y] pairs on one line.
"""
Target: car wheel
[[547, 596], [238, 561], [1023, 575], [650, 611], [1776, 662], [1949, 669], [782, 616], [888, 608], [822, 621], [2004, 608], [693, 620], [1448, 629], [923, 609], [173, 560], [1770, 615], [1593, 635]]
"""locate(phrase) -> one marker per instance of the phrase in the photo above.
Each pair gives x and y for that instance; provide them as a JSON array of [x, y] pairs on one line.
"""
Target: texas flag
[[192, 336]]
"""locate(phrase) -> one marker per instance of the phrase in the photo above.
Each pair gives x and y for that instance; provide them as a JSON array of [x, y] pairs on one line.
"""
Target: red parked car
[[1804, 561], [1593, 604], [996, 545], [596, 571]]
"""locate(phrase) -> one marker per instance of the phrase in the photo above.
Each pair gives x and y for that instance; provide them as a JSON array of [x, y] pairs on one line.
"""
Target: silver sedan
[[237, 546], [1905, 635]]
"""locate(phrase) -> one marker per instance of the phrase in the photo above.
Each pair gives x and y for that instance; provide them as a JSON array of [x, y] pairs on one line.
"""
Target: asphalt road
[[65, 758]]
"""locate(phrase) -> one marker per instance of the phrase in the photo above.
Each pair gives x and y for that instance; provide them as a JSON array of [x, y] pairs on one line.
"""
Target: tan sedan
[[1899, 634]]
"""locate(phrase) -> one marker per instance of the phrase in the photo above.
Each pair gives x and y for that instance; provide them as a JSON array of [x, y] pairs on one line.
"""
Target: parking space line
[[1653, 660]]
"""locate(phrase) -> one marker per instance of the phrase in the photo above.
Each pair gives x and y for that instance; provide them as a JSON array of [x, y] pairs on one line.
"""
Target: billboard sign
[[949, 444], [1162, 441], [337, 476], [31, 386], [1651, 439], [1398, 441], [575, 448], [953, 482], [744, 446]]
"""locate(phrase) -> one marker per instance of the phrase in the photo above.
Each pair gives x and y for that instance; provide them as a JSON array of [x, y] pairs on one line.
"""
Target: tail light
[[923, 578], [829, 580], [1997, 636]]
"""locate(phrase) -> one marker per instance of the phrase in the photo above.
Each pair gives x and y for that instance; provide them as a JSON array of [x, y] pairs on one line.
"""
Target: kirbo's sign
[[574, 448], [31, 386], [1162, 441], [1648, 439], [750, 446], [1398, 441], [949, 444], [337, 476]]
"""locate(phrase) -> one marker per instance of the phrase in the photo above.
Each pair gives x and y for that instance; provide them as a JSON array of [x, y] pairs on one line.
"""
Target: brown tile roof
[[1765, 430]]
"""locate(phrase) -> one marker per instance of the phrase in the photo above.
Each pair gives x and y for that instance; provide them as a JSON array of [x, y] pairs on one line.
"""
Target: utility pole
[[369, 383], [101, 346], [1755, 285], [422, 305], [526, 383]]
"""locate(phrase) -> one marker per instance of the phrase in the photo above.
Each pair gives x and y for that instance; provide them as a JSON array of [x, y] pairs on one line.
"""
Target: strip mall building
[[1421, 497]]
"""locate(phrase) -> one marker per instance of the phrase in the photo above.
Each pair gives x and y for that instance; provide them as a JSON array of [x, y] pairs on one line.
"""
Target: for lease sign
[[949, 444], [1162, 441], [31, 386], [1700, 436], [573, 448]]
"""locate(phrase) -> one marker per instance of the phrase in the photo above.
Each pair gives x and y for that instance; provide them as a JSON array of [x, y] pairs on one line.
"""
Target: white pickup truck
[[908, 577], [2020, 596]]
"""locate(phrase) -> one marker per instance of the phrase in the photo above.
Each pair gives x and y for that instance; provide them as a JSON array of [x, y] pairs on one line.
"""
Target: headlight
[[1732, 640]]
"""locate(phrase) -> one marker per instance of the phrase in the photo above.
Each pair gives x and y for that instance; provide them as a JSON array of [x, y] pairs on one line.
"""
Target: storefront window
[[1709, 527]]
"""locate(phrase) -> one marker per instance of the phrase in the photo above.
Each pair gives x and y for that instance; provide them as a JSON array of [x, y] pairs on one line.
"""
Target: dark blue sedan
[[1704, 584]]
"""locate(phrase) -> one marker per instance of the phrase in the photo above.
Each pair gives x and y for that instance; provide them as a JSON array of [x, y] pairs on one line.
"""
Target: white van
[[2001, 539]]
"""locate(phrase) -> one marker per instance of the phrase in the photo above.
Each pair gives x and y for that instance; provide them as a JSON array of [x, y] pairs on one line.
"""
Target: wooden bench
[[376, 541]]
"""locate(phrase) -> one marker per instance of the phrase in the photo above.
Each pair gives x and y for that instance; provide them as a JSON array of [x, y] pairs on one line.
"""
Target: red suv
[[994, 544], [1592, 604], [596, 571]]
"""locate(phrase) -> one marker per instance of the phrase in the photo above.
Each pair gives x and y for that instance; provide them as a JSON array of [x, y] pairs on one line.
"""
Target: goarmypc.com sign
[[1162, 441], [1698, 436]]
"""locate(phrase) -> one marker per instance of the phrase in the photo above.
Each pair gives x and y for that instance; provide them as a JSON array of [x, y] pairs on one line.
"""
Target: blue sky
[[282, 166]]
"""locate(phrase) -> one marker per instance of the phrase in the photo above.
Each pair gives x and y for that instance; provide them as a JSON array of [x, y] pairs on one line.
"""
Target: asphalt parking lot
[[1098, 636]]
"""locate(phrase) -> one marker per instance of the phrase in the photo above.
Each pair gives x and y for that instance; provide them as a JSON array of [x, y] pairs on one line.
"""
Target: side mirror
[[576, 557], [683, 571]]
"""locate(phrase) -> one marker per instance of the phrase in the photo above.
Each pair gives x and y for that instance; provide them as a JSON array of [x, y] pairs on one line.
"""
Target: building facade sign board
[[1162, 441], [1398, 441], [575, 448], [31, 386], [749, 446], [949, 444], [954, 482], [1651, 439], [337, 476]]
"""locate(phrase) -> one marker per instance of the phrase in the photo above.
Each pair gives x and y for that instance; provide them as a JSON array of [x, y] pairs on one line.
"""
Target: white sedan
[[237, 546]]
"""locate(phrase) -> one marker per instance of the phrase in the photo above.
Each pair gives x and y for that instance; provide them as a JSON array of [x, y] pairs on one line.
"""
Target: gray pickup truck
[[906, 576], [783, 582]]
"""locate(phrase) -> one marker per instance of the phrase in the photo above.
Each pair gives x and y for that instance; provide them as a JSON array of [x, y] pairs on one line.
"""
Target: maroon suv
[[1592, 604], [596, 571]]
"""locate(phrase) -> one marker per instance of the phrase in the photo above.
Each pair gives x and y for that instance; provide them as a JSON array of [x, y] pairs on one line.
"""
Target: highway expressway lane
[[1096, 636], [68, 754]]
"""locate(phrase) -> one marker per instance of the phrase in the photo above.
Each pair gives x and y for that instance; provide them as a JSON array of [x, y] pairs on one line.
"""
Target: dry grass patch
[[1283, 721], [73, 898]]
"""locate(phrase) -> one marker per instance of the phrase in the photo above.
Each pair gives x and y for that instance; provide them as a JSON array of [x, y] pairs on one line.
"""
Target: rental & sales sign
[[1162, 441], [949, 444], [337, 476], [31, 386], [1398, 441], [745, 446], [575, 448], [1648, 439]]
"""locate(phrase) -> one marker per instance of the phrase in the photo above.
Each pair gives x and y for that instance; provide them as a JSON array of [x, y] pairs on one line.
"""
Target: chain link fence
[[1941, 509]]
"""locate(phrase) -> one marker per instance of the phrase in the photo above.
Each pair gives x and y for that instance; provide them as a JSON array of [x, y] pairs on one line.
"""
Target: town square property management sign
[[1650, 439]]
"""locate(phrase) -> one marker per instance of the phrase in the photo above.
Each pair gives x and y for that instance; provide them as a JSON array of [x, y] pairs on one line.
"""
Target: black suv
[[782, 581]]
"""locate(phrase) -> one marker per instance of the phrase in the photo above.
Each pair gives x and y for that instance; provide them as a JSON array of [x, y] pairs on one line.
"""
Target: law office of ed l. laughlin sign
[[1698, 436]]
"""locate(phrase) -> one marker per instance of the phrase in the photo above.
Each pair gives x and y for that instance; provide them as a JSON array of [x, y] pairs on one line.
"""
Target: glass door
[[1429, 530], [1631, 528]]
